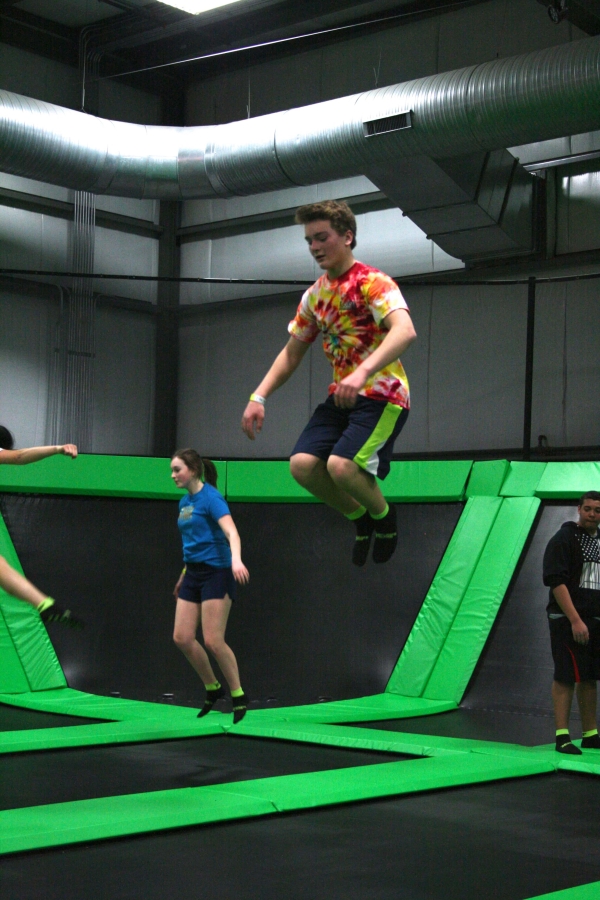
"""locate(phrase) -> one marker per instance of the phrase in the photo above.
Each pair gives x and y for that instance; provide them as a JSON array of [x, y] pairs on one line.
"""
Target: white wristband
[[257, 398]]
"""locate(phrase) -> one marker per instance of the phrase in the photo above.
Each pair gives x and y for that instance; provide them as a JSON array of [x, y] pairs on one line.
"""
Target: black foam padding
[[309, 624], [56, 776], [502, 841], [14, 718], [515, 670], [529, 730]]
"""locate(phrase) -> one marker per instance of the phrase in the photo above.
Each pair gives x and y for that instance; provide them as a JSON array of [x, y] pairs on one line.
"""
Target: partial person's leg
[[562, 698], [187, 619], [312, 473], [364, 451], [586, 699], [18, 586], [215, 614], [353, 481], [308, 460], [15, 584]]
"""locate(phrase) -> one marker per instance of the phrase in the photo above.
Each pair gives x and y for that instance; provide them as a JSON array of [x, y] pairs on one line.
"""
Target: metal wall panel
[[126, 254], [29, 240], [549, 412], [39, 77], [477, 367], [222, 359], [123, 383], [25, 331], [578, 208]]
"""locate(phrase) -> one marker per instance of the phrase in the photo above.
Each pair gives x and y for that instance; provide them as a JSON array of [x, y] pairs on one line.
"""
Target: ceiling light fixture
[[198, 6]]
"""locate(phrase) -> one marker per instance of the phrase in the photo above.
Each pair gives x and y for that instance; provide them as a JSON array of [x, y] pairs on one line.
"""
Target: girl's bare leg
[[187, 619], [214, 622]]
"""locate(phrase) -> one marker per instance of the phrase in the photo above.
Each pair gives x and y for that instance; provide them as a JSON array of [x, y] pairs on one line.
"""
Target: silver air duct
[[537, 96]]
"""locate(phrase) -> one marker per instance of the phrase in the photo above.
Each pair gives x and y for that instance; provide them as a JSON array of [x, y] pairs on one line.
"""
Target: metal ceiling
[[122, 35]]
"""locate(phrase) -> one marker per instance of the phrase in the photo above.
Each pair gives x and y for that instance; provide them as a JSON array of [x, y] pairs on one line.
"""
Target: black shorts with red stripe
[[574, 662]]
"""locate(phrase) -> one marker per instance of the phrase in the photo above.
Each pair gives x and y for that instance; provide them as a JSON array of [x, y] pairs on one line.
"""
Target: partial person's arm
[[34, 454], [284, 366], [240, 572], [580, 631], [401, 334]]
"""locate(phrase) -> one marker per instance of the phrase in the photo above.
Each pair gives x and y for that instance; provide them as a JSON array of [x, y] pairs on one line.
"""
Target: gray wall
[[124, 368], [466, 370], [123, 384]]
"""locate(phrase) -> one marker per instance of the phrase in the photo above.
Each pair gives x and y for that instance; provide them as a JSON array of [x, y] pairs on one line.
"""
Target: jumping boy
[[366, 326]]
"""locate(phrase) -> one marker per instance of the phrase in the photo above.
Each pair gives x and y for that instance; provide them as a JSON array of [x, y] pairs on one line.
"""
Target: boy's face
[[331, 250], [589, 515]]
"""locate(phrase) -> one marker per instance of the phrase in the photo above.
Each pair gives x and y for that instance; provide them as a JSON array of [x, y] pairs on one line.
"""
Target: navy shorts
[[574, 662], [365, 434], [204, 582]]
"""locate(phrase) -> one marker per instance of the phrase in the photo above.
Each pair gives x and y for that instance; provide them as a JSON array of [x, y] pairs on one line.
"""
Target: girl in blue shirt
[[206, 588]]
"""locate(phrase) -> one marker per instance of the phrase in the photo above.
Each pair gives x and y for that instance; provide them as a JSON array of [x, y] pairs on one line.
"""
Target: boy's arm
[[34, 454], [401, 333]]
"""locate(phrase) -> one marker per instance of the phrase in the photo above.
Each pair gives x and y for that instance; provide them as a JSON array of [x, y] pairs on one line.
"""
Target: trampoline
[[425, 774]]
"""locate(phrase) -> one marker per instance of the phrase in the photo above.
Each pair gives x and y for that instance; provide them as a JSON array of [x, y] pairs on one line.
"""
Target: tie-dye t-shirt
[[349, 311]]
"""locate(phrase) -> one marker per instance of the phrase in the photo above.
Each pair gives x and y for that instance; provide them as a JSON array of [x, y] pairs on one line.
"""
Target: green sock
[[46, 604], [560, 731], [213, 687], [239, 692], [357, 514], [587, 734], [382, 515]]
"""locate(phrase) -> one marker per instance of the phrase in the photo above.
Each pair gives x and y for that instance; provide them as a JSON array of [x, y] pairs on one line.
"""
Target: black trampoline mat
[[56, 776], [507, 840], [15, 718], [476, 725], [308, 624]]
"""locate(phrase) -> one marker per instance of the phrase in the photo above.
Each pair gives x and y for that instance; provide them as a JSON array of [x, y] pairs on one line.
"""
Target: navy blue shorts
[[204, 582], [365, 434], [574, 662]]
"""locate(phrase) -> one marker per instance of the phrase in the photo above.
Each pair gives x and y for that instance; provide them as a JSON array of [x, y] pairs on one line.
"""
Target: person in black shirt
[[572, 572]]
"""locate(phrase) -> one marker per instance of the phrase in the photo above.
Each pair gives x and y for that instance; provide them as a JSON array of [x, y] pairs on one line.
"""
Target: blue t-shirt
[[203, 540]]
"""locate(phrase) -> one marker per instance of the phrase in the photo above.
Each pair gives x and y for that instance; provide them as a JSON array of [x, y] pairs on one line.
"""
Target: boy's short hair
[[589, 495], [335, 211]]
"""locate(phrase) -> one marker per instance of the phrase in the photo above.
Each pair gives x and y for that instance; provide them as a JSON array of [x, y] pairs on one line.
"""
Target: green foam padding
[[108, 817], [583, 892], [487, 477], [522, 479], [27, 657], [568, 481], [361, 709], [262, 481], [433, 624], [104, 476], [420, 481], [409, 481], [12, 674], [483, 597]]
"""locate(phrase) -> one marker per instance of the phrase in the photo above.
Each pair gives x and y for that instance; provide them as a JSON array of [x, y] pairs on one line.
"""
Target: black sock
[[365, 526], [240, 707], [212, 695], [564, 744], [386, 536]]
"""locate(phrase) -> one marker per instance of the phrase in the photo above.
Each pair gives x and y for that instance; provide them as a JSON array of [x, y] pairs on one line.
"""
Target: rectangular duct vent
[[397, 122]]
